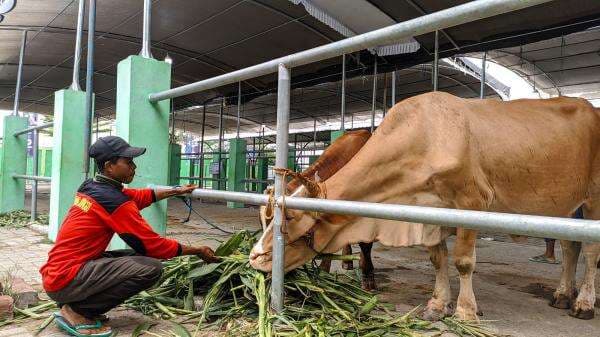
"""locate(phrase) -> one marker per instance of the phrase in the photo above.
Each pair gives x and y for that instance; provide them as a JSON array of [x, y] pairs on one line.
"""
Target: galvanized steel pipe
[[281, 157], [343, 108], [482, 88], [146, 51], [34, 183], [374, 101], [33, 128], [89, 86], [77, 57], [239, 107], [19, 74], [436, 61], [28, 177], [528, 225], [471, 11], [393, 88]]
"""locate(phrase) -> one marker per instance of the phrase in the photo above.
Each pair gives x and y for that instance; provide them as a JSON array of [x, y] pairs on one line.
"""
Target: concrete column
[[146, 124], [13, 161], [336, 134], [175, 164], [67, 154], [262, 172], [291, 164], [236, 168]]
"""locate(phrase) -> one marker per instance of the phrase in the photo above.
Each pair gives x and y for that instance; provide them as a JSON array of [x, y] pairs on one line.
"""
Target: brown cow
[[329, 162], [524, 156]]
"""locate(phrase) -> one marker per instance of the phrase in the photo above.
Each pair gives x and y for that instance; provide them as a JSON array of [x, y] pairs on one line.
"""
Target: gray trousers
[[104, 283]]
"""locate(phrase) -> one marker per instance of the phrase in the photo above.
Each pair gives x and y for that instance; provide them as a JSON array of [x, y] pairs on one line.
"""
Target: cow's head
[[300, 233]]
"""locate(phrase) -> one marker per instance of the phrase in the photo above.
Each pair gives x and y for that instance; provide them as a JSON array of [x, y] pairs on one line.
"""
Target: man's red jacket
[[102, 208]]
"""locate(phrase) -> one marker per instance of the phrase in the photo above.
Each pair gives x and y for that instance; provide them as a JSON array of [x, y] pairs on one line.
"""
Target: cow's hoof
[[466, 315], [582, 313], [368, 282], [347, 265], [434, 314], [561, 301]]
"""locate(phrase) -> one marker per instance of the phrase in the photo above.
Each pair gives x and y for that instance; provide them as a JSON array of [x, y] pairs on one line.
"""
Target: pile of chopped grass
[[235, 299], [20, 219]]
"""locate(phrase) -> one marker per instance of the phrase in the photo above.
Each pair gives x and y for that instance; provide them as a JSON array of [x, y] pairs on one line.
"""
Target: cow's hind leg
[[464, 260], [439, 305], [584, 305], [366, 266], [565, 294], [347, 265]]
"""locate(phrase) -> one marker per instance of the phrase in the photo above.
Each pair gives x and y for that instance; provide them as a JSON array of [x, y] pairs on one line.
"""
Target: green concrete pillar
[[67, 154], [207, 163], [262, 172], [146, 124], [236, 169], [47, 161], [175, 164], [336, 134], [13, 161], [291, 164]]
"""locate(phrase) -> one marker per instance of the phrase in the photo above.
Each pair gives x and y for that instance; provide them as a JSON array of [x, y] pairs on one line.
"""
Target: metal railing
[[34, 128], [34, 178], [471, 11]]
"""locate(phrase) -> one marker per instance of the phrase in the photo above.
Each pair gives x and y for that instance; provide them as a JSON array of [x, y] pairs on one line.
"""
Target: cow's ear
[[317, 178]]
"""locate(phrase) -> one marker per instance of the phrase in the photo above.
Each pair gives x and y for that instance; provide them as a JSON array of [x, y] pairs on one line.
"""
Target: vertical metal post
[[374, 103], [78, 36], [239, 107], [34, 183], [89, 86], [314, 137], [146, 52], [482, 89], [20, 74], [219, 155], [97, 127], [393, 88], [343, 109], [281, 154], [384, 99], [436, 62], [352, 121], [201, 182]]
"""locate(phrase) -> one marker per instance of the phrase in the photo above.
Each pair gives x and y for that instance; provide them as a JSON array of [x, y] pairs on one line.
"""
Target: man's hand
[[185, 189], [171, 192], [205, 253]]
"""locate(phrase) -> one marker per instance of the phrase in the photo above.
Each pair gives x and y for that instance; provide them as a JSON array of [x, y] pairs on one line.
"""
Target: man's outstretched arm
[[162, 193]]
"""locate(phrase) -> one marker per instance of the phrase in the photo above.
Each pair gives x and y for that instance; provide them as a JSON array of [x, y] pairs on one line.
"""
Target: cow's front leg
[[565, 294], [584, 305], [366, 266], [325, 265], [439, 305], [464, 260], [347, 265]]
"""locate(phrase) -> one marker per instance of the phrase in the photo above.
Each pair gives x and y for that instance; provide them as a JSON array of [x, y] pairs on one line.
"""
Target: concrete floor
[[511, 292]]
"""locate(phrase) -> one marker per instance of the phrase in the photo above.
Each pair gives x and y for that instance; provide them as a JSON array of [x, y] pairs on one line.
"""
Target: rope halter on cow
[[315, 189]]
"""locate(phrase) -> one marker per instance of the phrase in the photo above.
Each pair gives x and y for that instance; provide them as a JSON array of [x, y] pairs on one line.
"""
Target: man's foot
[[74, 319], [544, 259]]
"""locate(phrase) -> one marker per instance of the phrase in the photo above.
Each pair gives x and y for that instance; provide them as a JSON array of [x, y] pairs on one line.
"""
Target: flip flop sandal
[[543, 259], [73, 330]]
